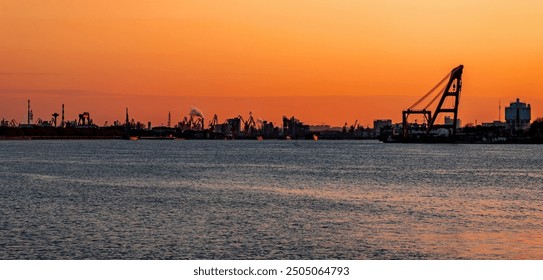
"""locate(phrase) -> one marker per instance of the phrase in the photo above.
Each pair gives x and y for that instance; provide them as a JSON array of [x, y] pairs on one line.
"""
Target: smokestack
[[127, 122], [28, 112], [62, 123], [169, 119]]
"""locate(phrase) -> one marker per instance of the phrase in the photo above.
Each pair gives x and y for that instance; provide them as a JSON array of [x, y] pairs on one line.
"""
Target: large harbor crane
[[449, 97]]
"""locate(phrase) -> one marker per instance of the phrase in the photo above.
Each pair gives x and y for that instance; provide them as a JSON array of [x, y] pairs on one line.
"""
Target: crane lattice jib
[[452, 89]]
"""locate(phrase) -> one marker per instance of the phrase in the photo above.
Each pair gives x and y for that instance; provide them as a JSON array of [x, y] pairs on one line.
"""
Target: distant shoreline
[[28, 138]]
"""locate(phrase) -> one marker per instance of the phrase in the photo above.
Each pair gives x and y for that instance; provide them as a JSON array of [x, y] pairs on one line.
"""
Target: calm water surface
[[269, 200]]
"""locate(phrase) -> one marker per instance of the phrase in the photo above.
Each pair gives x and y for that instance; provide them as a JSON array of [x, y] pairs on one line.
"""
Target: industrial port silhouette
[[516, 128]]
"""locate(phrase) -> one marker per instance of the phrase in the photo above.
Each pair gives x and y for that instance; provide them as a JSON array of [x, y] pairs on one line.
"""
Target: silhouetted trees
[[536, 129]]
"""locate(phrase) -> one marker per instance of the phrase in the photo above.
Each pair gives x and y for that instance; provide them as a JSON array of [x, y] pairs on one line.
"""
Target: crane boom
[[450, 91]]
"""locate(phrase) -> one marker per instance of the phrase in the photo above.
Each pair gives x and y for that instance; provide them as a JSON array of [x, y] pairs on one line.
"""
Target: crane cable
[[430, 92], [435, 97]]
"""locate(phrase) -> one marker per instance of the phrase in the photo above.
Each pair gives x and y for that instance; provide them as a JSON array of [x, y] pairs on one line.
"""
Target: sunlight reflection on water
[[269, 199]]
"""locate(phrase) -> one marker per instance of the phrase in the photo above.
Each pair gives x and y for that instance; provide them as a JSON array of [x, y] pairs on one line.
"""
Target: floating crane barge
[[448, 92]]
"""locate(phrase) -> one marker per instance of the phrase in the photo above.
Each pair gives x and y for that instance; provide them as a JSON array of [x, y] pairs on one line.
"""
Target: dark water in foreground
[[269, 200]]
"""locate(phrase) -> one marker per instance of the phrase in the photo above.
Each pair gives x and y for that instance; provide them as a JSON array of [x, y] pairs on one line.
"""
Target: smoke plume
[[195, 112]]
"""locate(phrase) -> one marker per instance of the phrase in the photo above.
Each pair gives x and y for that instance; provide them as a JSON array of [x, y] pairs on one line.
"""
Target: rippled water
[[269, 200]]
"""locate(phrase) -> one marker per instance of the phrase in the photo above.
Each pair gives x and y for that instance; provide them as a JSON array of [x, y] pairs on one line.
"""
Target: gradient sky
[[322, 61]]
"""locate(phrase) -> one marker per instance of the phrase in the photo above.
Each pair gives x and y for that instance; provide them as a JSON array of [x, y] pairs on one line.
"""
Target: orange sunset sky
[[321, 61]]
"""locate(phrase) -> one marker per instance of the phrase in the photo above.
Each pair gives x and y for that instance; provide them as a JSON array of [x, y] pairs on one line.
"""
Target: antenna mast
[[29, 114], [500, 111]]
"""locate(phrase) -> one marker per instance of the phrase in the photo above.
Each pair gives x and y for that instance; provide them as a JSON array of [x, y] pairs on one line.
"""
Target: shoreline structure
[[516, 129]]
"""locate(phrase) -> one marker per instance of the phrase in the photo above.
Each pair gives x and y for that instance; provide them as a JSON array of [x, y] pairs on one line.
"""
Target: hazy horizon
[[384, 54]]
